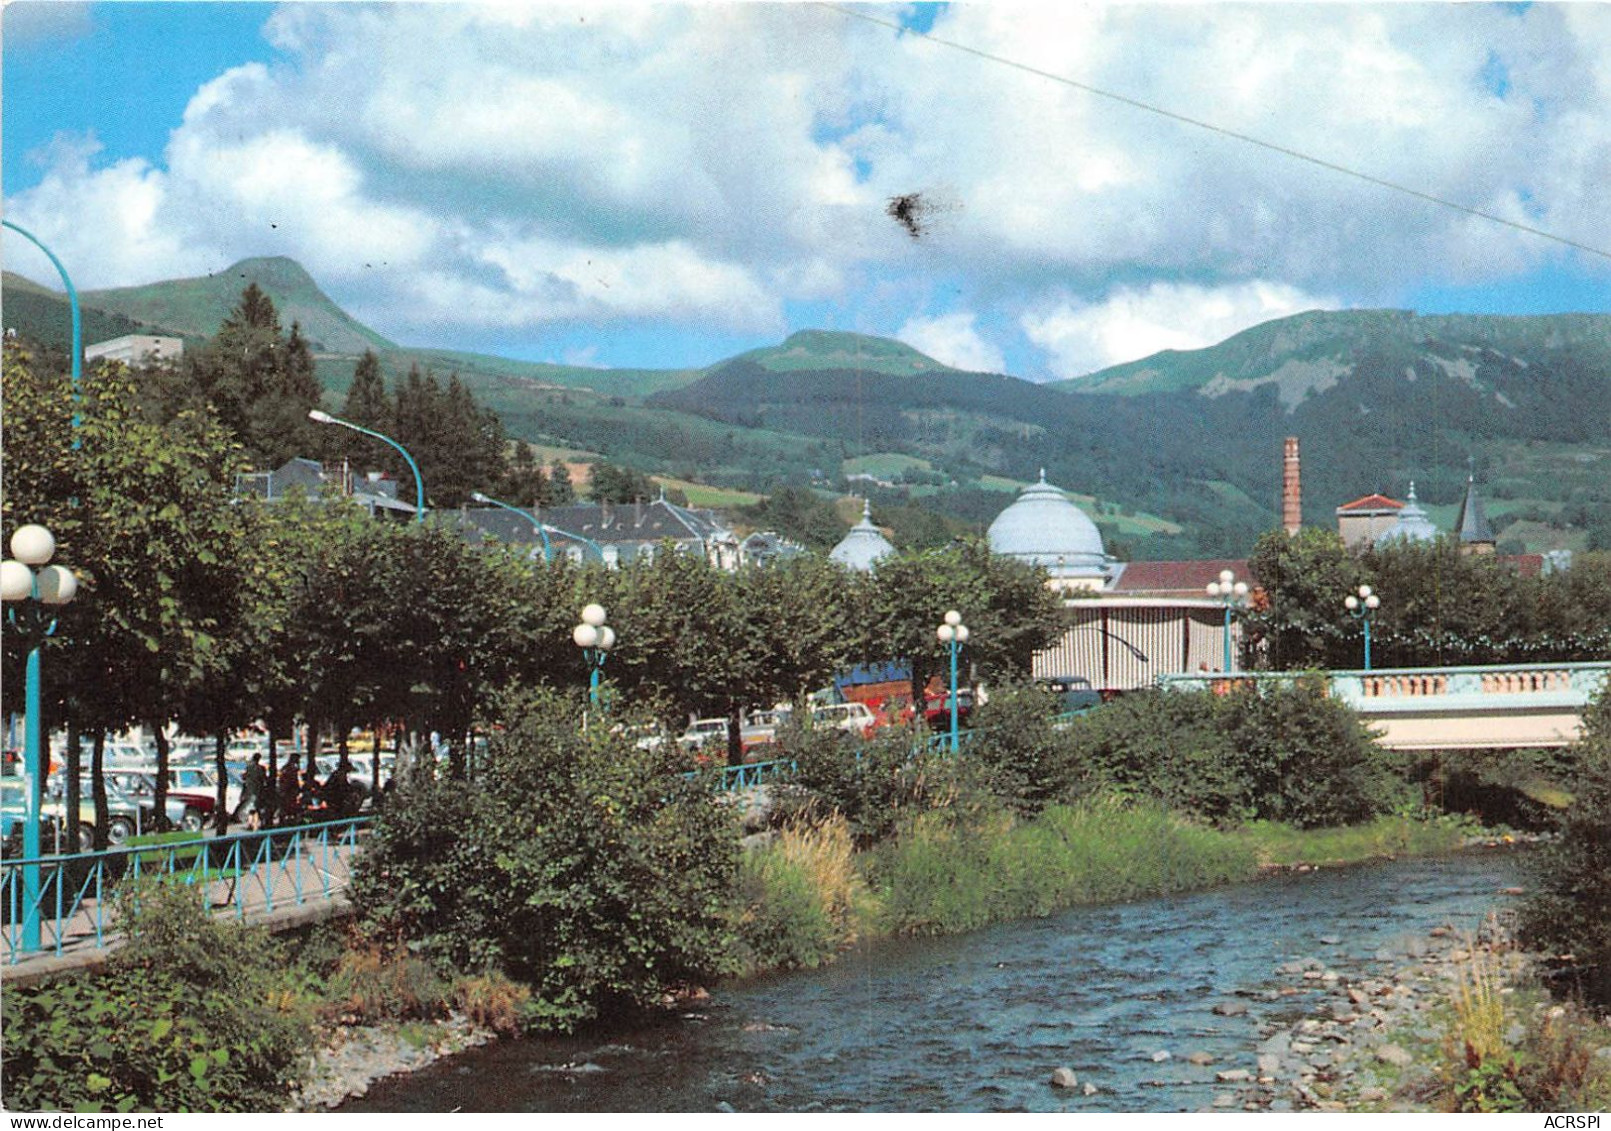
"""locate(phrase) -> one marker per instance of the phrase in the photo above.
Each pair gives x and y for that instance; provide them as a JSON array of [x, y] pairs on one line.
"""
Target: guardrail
[[245, 873]]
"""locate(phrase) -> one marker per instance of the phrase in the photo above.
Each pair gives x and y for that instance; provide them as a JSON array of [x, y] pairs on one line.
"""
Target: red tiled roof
[[1177, 578], [1371, 503], [1525, 565]]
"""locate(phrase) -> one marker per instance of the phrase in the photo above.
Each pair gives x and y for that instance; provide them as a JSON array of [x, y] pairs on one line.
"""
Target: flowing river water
[[978, 1022]]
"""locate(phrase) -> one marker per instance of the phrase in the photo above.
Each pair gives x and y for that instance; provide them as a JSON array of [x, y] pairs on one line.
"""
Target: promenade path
[[280, 878]]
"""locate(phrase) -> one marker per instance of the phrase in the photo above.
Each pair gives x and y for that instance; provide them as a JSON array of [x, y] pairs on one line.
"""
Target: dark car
[[1074, 693]]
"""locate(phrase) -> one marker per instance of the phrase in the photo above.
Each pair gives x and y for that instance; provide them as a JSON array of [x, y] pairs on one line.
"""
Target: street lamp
[[1231, 593], [595, 639], [1363, 608], [953, 634], [46, 589], [320, 417], [78, 336], [543, 529]]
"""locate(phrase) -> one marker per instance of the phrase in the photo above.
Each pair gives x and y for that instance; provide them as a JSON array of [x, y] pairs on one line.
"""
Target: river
[[978, 1022]]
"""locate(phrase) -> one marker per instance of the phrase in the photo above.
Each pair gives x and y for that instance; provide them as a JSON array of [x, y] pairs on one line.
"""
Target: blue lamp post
[[32, 596], [1231, 593], [953, 634], [320, 417], [595, 639], [1362, 608], [543, 529], [78, 335]]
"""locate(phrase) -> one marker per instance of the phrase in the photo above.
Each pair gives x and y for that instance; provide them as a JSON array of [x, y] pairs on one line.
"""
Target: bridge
[[1496, 707]]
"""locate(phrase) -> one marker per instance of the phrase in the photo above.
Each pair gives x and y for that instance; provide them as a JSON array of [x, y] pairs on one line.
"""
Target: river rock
[[1395, 1055], [1064, 1078], [1160, 1056], [1200, 1058], [1088, 1088], [1224, 1099], [1233, 1076], [1230, 1009], [1269, 1064]]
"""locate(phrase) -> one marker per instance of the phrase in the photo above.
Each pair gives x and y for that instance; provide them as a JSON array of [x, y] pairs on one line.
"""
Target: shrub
[[371, 984], [494, 1001], [1570, 914], [1021, 755], [582, 866], [871, 783], [190, 1014]]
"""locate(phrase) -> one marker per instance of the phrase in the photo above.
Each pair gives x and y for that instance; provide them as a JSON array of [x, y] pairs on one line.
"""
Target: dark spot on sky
[[910, 211]]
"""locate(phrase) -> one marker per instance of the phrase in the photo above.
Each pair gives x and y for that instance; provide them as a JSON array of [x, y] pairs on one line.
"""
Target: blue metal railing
[[246, 873]]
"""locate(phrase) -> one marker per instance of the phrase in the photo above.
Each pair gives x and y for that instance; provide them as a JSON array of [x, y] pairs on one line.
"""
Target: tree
[[367, 404], [612, 484], [142, 513], [559, 492], [1009, 611], [1299, 621]]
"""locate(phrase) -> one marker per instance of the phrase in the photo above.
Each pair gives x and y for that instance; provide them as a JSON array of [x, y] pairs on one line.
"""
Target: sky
[[666, 185]]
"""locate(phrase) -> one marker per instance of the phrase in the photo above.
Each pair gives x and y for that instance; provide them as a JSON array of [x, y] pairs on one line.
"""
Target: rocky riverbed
[[350, 1059], [1369, 1032]]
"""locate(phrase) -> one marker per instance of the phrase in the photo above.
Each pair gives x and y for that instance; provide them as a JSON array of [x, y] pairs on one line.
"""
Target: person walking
[[254, 784]]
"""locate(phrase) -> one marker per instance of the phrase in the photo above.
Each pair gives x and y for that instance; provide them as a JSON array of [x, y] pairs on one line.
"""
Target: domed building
[[1043, 528], [864, 545], [1412, 526]]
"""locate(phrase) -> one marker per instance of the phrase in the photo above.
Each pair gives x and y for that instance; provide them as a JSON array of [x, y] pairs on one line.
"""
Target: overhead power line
[[1184, 119]]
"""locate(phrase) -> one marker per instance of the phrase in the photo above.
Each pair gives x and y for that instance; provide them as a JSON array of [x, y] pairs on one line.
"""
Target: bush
[[1021, 755], [582, 866], [1570, 914], [1264, 751], [190, 1014], [371, 984], [871, 783]]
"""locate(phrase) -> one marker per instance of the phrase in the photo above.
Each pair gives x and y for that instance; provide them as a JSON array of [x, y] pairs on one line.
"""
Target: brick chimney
[[1291, 490]]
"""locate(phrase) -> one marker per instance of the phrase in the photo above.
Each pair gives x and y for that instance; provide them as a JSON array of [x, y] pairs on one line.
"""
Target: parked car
[[857, 718], [704, 732], [194, 806], [1074, 693], [937, 709], [129, 794], [762, 729]]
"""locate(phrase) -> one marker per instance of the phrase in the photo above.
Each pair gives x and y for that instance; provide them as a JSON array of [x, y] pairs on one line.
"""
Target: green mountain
[[1179, 453], [197, 307], [44, 316]]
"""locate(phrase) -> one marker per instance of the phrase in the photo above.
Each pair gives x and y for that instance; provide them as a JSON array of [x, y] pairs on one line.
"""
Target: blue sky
[[668, 185]]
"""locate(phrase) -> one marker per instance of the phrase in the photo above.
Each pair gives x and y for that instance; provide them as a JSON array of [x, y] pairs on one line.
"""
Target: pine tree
[[560, 492]]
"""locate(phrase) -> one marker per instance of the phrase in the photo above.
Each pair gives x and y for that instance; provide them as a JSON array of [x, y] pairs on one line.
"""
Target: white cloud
[[1081, 338], [953, 340], [518, 165]]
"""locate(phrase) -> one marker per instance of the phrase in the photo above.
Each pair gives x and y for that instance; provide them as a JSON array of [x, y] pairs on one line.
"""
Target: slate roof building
[[614, 533], [1471, 524], [375, 492]]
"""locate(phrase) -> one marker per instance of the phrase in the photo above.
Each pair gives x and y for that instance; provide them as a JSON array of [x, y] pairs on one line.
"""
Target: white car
[[857, 718], [703, 733]]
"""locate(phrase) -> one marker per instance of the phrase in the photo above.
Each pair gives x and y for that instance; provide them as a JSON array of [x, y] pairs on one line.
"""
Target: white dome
[[864, 545], [1412, 526], [1042, 527]]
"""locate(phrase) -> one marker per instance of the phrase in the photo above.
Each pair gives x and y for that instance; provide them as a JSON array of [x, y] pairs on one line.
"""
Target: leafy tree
[[1570, 914], [612, 484], [1299, 620], [1009, 611], [799, 514], [580, 864]]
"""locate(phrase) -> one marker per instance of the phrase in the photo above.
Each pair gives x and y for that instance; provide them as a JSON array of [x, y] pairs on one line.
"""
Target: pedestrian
[[337, 789], [290, 789], [254, 784]]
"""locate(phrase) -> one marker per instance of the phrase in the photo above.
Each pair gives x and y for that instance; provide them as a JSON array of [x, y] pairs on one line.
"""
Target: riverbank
[[366, 1056]]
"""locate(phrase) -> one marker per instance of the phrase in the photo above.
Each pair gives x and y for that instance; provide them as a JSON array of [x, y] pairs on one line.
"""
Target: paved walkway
[[307, 884]]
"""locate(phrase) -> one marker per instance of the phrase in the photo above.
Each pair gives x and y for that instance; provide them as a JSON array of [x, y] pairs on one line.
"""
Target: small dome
[[1043, 528], [863, 546], [1412, 526]]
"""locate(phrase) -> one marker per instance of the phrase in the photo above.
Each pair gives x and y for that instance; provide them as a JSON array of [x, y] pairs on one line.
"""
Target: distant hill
[[45, 316], [838, 349], [1179, 453], [199, 306]]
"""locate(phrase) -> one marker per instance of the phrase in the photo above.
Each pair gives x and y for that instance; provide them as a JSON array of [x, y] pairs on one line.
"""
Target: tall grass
[[952, 871], [803, 894]]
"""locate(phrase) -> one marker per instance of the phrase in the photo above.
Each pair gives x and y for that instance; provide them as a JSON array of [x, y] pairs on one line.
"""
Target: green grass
[[885, 465], [704, 495], [1276, 844]]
